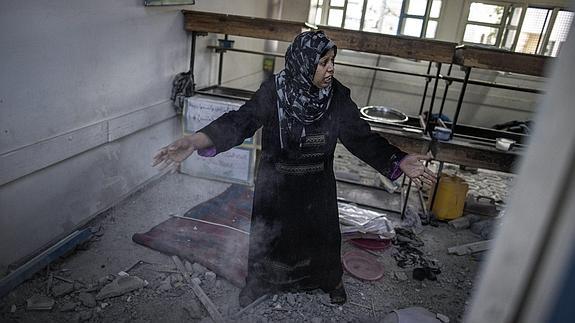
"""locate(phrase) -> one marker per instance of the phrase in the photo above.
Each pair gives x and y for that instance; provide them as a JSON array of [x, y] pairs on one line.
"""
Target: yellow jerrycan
[[450, 197]]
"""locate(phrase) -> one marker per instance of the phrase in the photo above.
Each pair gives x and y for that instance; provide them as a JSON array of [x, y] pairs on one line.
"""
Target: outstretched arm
[[413, 167], [174, 153]]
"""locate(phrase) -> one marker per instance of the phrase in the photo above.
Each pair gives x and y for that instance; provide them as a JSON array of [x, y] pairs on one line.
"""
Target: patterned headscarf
[[299, 101]]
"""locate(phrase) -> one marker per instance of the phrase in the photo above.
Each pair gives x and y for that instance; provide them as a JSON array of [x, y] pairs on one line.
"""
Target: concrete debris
[[275, 298], [194, 310], [400, 275], [13, 308], [469, 248], [206, 301], [84, 316], [104, 305], [316, 320], [485, 228], [120, 286], [199, 269], [188, 266], [290, 299], [196, 280], [442, 318], [463, 222], [69, 307], [210, 277], [165, 285], [123, 274], [62, 289], [87, 300], [39, 303]]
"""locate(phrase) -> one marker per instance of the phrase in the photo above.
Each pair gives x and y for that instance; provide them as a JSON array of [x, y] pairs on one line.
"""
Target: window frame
[[504, 26], [326, 7]]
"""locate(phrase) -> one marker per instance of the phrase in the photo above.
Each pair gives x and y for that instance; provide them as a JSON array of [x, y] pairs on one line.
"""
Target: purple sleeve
[[207, 152], [395, 170]]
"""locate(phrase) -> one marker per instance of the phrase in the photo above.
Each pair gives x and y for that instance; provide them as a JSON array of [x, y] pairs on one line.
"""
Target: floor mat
[[213, 233]]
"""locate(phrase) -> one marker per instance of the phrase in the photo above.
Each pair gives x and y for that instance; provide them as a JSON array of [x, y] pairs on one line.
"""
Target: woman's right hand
[[174, 153]]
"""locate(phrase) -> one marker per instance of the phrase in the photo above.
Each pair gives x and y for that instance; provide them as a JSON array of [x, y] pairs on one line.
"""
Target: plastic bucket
[[450, 197]]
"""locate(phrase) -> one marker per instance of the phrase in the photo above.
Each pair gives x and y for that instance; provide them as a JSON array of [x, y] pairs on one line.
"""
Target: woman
[[294, 237]]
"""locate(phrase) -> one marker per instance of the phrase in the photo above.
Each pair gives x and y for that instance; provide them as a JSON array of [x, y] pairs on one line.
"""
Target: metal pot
[[380, 113]]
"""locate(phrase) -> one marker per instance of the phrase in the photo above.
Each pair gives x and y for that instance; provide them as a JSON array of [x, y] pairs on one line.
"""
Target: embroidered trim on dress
[[314, 140], [311, 155], [299, 169]]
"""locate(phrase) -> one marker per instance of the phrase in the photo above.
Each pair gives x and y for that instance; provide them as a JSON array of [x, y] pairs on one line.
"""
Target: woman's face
[[324, 71]]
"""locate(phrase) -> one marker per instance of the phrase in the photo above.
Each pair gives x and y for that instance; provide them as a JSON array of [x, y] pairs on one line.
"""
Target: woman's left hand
[[413, 167]]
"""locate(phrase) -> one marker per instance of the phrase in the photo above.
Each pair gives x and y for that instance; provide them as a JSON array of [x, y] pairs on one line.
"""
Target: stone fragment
[[442, 318], [13, 308], [316, 320], [199, 268], [210, 277], [120, 286], [290, 298], [400, 275], [188, 266], [165, 285], [69, 307], [123, 274], [62, 289], [39, 303], [193, 310], [87, 300], [84, 316]]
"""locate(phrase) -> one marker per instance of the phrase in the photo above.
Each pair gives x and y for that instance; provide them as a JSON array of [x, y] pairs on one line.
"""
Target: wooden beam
[[399, 46], [241, 26], [502, 60]]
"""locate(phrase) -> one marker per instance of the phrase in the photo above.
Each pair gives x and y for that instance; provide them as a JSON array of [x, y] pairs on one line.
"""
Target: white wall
[[84, 104]]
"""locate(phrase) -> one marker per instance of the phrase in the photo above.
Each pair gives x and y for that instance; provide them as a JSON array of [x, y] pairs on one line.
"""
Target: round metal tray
[[383, 114]]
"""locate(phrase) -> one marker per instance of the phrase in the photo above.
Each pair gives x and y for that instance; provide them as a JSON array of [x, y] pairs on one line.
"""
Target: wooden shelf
[[399, 46], [501, 60]]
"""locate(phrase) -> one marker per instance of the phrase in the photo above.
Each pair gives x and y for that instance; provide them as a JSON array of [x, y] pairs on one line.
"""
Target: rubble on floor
[[88, 286]]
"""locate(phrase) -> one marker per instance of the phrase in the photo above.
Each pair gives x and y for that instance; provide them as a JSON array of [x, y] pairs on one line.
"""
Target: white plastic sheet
[[355, 219]]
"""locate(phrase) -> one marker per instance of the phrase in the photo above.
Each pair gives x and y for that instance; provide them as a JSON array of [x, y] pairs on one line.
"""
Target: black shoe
[[338, 295]]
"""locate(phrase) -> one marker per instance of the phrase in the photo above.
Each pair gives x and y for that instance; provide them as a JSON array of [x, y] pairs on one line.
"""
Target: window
[[521, 28], [418, 18]]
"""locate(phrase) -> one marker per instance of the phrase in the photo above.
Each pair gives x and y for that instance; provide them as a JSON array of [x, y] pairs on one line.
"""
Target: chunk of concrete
[[39, 303], [87, 300], [188, 267], [120, 286], [199, 269], [290, 298], [210, 277], [69, 307], [442, 318], [400, 275], [460, 223], [84, 316], [62, 289]]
